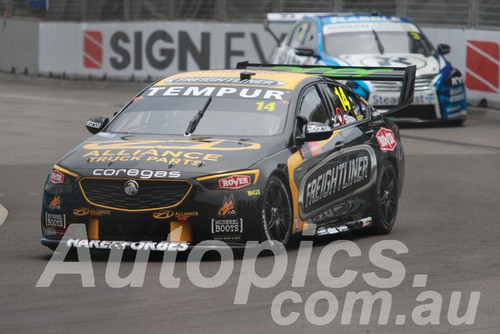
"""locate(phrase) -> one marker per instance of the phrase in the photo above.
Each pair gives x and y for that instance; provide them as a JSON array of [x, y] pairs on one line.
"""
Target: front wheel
[[276, 219], [386, 200]]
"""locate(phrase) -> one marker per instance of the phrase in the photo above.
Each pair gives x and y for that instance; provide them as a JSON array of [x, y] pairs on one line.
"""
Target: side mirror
[[301, 122], [315, 131], [444, 49], [96, 124], [305, 52]]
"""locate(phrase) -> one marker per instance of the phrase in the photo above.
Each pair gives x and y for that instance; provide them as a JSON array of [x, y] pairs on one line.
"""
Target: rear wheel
[[276, 212], [386, 200]]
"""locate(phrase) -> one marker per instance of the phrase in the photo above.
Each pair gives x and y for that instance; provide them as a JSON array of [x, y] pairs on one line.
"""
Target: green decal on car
[[328, 71]]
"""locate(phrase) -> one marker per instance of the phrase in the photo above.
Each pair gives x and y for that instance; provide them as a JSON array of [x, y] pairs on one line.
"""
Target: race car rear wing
[[364, 73]]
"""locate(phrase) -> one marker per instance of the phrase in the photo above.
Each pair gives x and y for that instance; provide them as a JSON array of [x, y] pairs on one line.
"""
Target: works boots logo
[[92, 49]]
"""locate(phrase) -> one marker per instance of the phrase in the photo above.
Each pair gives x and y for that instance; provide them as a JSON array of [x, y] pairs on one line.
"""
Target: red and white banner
[[483, 66], [92, 49]]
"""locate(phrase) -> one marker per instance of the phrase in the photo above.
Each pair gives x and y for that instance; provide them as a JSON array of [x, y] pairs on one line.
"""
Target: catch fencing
[[466, 14]]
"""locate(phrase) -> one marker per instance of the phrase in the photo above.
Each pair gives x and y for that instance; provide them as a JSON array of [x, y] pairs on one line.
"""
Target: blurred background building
[[466, 14]]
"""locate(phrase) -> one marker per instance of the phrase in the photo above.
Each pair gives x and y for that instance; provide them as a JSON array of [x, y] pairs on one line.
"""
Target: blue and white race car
[[377, 40]]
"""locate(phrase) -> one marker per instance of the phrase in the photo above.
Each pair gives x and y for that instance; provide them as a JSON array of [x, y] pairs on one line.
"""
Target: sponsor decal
[[332, 213], [56, 177], [336, 177], [227, 226], [55, 204], [93, 212], [255, 192], [386, 139], [162, 246], [226, 80], [377, 26], [156, 145], [169, 214], [55, 220], [483, 66], [311, 128], [420, 62], [389, 99], [106, 135], [81, 211], [141, 173], [92, 124], [176, 49], [168, 152], [355, 72], [457, 80], [131, 188], [349, 19], [92, 49], [227, 208], [311, 149], [232, 92], [234, 182], [362, 223]]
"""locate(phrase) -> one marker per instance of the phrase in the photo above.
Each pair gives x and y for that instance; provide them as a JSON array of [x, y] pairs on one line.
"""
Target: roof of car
[[336, 16], [257, 78]]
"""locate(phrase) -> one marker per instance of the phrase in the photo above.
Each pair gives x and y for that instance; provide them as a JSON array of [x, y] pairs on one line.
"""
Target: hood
[[425, 65], [114, 155]]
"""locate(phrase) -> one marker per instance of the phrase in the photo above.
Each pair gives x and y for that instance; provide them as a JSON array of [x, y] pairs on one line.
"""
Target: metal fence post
[[401, 8], [221, 10], [277, 5], [83, 10], [9, 8], [126, 10], [336, 5], [473, 14]]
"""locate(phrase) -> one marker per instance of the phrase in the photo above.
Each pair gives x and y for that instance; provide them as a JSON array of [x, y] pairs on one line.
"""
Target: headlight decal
[[230, 181]]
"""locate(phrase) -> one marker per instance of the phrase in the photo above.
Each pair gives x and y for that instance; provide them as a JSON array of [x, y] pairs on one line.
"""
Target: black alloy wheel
[[276, 212], [386, 199]]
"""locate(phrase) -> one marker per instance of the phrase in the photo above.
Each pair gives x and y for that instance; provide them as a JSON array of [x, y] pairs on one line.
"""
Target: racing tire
[[457, 123], [385, 200], [276, 222]]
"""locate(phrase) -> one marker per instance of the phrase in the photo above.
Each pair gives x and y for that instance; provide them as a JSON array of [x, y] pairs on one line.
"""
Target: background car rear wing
[[365, 73]]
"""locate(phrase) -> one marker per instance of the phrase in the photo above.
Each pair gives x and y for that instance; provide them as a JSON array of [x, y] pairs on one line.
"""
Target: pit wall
[[149, 50]]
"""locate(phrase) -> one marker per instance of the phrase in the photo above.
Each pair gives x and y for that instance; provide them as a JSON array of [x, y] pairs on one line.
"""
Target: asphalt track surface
[[448, 219]]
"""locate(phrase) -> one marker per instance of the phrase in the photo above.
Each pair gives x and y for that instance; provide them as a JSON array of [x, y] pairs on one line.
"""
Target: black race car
[[260, 152]]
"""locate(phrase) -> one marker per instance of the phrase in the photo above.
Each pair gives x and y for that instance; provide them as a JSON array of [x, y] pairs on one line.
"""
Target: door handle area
[[339, 145]]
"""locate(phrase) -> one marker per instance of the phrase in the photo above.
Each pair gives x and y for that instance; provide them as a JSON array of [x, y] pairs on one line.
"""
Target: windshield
[[223, 116], [365, 42]]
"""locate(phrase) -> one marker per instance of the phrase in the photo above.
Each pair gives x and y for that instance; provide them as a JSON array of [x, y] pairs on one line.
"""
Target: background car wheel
[[457, 122], [276, 212], [386, 200]]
